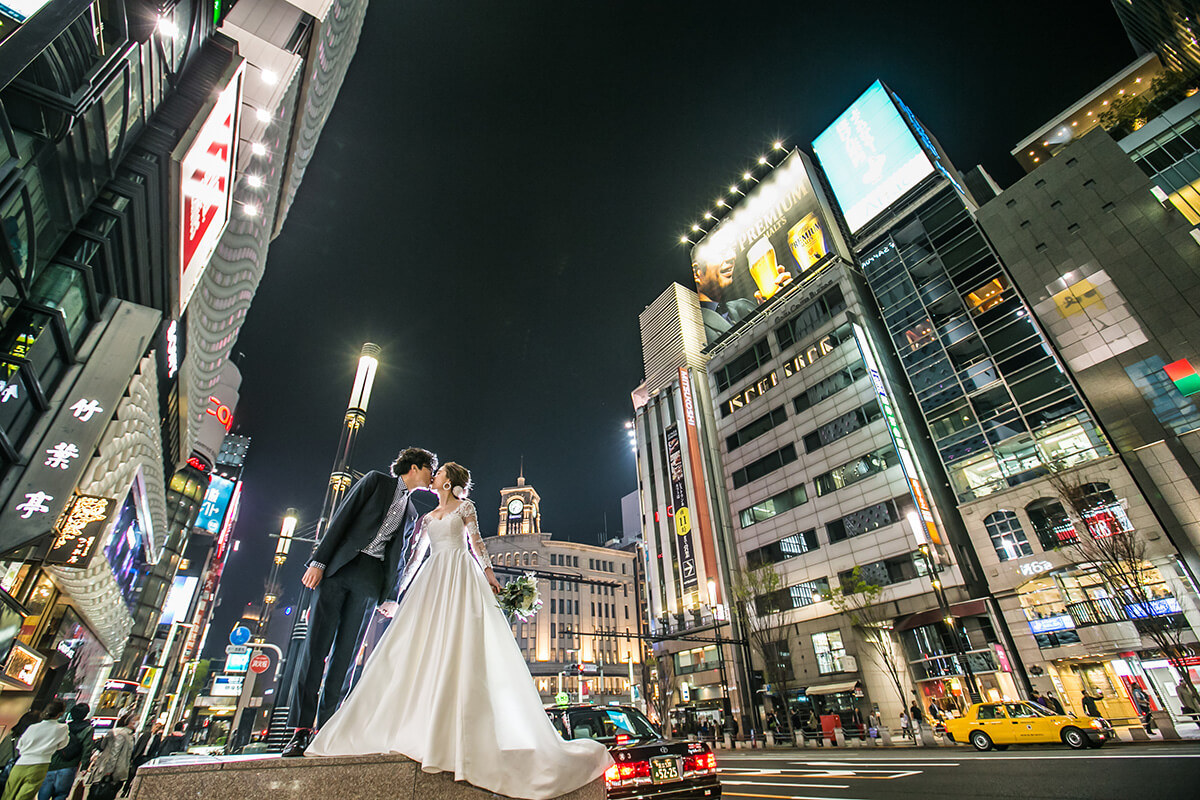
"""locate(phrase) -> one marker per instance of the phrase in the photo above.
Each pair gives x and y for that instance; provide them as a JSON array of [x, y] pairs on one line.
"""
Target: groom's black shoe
[[298, 744]]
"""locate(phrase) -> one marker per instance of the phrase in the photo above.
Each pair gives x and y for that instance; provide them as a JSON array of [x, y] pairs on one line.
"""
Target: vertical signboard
[[77, 534], [207, 160], [681, 511], [907, 465], [211, 516], [702, 520], [780, 231]]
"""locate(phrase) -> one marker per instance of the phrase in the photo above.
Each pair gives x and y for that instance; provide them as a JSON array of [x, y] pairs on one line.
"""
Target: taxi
[[998, 725], [648, 767]]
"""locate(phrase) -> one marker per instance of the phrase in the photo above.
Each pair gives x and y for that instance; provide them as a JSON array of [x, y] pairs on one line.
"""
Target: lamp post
[[948, 618], [283, 546], [340, 479], [726, 709]]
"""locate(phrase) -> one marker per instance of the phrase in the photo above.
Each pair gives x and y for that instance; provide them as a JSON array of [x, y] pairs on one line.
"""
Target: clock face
[[515, 507]]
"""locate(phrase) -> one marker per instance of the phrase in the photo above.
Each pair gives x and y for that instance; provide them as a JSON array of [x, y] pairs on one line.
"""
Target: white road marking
[[882, 763], [789, 785]]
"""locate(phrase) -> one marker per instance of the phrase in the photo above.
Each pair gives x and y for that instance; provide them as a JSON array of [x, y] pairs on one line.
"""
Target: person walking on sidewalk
[[64, 764], [1089, 704], [906, 727], [36, 747]]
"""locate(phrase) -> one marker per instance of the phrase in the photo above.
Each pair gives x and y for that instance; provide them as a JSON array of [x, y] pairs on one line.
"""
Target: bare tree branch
[[859, 601]]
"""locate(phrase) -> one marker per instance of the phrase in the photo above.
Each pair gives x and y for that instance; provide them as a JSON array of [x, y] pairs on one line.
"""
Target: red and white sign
[[206, 174], [221, 411], [260, 663]]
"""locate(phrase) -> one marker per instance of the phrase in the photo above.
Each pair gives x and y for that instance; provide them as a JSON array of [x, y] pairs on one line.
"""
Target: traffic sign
[[239, 635], [260, 663], [236, 649], [562, 698]]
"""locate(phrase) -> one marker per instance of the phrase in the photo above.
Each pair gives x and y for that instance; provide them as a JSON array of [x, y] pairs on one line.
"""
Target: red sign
[[260, 663], [222, 412], [206, 173]]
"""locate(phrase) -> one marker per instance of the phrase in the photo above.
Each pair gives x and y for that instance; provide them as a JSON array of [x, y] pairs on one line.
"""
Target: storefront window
[[830, 651], [86, 657], [126, 550], [1007, 537], [697, 660], [1051, 523], [977, 477], [38, 604]]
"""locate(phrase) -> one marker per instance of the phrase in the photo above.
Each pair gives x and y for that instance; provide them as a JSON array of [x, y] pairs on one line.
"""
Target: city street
[[1172, 771]]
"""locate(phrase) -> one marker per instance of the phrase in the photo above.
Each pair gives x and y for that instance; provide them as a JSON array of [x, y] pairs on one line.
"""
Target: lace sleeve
[[419, 549], [471, 521]]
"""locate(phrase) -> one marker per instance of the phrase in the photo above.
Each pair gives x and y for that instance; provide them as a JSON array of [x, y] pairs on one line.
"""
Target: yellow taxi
[[988, 725]]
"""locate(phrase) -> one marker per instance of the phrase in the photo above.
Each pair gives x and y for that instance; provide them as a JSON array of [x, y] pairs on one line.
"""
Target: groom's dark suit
[[354, 581]]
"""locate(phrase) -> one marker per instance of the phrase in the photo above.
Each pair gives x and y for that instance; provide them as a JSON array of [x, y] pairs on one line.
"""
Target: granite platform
[[378, 777]]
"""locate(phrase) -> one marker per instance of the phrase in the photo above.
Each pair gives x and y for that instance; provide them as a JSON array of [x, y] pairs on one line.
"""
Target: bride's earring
[[446, 485]]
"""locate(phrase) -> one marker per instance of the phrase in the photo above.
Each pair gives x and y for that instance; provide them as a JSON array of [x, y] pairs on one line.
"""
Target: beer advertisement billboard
[[871, 157], [779, 232]]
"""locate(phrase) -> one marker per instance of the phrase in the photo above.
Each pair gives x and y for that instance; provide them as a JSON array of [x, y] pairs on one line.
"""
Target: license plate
[[664, 769]]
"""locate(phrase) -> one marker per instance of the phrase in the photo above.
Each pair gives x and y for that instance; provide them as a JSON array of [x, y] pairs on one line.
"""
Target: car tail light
[[700, 763], [627, 774], [622, 739]]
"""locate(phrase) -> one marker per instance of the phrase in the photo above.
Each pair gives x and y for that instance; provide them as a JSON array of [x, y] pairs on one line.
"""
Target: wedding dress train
[[448, 687]]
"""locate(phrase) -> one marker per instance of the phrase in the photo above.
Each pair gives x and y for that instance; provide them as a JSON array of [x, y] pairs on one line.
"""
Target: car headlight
[[1098, 724]]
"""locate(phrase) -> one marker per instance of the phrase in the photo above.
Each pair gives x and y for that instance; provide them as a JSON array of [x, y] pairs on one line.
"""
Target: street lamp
[[286, 533], [726, 708]]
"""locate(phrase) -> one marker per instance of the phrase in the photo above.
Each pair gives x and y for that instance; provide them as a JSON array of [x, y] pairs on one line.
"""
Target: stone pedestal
[[379, 777]]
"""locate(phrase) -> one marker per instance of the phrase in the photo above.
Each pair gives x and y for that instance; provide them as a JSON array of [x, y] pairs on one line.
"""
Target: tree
[[660, 667], [859, 602], [757, 596], [1119, 556]]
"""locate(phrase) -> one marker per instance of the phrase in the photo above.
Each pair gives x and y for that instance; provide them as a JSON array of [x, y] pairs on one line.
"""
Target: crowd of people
[[50, 759]]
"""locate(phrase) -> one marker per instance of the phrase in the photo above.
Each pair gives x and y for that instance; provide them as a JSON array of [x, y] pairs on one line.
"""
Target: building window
[[1104, 515], [823, 390], [1007, 536], [798, 596], [863, 521], [886, 572], [843, 426], [808, 319], [787, 547], [855, 471], [990, 295], [1051, 523], [779, 653], [743, 365], [764, 466], [830, 651], [772, 506]]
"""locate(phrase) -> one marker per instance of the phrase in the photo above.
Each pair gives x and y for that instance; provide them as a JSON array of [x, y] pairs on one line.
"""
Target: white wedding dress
[[448, 687]]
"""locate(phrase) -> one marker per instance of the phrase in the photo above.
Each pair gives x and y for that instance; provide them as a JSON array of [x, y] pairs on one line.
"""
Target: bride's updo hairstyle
[[460, 479]]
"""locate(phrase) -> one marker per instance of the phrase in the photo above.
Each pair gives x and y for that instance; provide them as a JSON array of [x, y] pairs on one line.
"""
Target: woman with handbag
[[35, 748], [111, 764]]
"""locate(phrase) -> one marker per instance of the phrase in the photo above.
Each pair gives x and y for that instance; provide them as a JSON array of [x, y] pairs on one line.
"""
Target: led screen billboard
[[216, 503], [179, 599], [871, 157], [779, 231], [21, 10]]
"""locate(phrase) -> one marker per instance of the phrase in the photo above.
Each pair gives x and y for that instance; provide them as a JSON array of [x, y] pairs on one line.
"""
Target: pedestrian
[[1035, 697], [1189, 699], [147, 745], [1089, 704], [772, 723], [176, 742], [64, 764], [1052, 703], [1142, 701], [935, 713], [917, 716], [906, 726], [35, 748], [112, 764]]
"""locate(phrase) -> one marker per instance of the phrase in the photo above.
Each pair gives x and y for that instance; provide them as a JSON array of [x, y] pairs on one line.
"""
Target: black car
[[648, 766]]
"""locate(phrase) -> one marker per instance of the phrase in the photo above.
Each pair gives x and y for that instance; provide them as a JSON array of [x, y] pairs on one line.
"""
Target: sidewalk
[[1188, 731]]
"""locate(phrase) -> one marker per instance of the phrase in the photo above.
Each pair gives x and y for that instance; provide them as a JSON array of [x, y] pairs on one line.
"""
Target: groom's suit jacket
[[355, 524]]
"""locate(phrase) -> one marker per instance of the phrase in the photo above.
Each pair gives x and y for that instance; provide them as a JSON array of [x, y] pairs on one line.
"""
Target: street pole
[[340, 479], [948, 619], [726, 708]]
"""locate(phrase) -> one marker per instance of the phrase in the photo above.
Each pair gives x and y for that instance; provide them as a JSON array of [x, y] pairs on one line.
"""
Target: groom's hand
[[388, 608], [312, 577]]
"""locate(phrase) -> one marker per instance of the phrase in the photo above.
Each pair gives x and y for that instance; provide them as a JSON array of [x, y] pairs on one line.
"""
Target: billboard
[[681, 511], [216, 503], [78, 531], [871, 157], [179, 599], [207, 161], [21, 10], [778, 232]]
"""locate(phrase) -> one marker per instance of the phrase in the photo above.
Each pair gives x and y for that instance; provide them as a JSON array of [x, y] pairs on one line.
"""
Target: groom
[[357, 564]]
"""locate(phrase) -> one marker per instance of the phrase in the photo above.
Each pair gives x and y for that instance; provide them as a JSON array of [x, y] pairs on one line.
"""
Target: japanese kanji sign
[[47, 488], [78, 531]]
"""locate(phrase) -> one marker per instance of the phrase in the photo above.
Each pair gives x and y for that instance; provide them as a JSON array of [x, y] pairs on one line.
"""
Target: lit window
[[989, 295]]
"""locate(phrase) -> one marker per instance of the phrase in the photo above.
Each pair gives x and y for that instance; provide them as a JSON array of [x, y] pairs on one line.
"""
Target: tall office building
[[152, 151], [1169, 28], [1109, 265], [685, 521]]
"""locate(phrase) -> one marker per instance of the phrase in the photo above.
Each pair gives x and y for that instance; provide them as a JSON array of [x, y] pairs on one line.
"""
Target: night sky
[[500, 191]]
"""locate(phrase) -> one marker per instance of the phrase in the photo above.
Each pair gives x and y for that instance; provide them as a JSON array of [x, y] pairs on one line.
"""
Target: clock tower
[[519, 512]]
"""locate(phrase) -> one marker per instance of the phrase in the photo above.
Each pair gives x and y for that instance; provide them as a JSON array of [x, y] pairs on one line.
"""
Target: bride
[[447, 684]]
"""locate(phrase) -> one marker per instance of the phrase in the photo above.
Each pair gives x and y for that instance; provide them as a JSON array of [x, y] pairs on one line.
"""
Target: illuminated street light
[[263, 115], [250, 209], [285, 536], [258, 148], [254, 181]]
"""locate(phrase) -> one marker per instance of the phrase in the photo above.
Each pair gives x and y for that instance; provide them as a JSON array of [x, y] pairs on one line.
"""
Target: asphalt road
[[1123, 772]]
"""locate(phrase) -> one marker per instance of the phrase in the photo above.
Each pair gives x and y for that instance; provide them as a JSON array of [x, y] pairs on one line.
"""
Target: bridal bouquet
[[520, 598]]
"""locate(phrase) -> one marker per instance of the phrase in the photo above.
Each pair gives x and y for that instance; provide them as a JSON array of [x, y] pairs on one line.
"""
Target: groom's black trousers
[[339, 605]]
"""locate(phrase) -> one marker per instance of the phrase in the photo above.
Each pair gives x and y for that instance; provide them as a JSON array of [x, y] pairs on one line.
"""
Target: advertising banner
[[871, 157], [681, 512], [703, 522], [216, 503], [777, 233], [77, 534]]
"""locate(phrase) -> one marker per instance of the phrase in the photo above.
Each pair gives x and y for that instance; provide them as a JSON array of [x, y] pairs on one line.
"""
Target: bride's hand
[[492, 582]]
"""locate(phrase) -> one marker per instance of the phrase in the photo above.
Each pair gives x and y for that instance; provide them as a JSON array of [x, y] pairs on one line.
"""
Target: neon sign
[[222, 412]]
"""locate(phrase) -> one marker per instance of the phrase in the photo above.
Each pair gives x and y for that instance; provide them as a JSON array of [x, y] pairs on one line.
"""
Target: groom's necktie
[[391, 523]]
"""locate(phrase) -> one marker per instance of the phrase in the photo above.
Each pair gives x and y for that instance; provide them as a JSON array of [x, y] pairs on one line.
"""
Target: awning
[[971, 608], [832, 688]]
